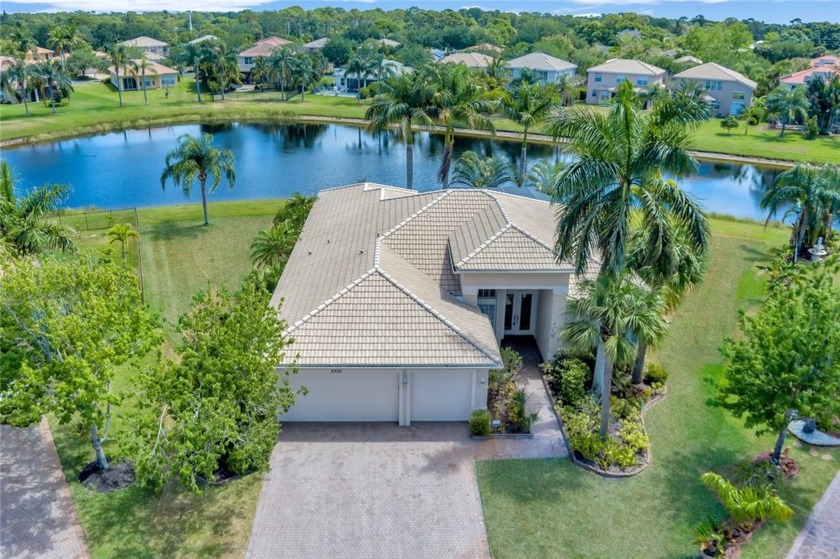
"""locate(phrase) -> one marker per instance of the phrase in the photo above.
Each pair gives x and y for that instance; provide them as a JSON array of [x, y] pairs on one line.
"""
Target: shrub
[[812, 129], [573, 377], [633, 437], [624, 408], [655, 375], [518, 415], [511, 360], [480, 423]]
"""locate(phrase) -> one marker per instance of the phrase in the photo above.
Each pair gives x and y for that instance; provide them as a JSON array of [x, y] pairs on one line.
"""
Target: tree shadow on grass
[[752, 254], [171, 230]]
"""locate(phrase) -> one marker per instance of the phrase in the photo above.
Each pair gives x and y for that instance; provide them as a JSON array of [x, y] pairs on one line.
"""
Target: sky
[[770, 11]]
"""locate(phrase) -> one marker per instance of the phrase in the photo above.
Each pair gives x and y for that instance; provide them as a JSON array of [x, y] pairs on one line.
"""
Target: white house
[[549, 68], [397, 299], [345, 81]]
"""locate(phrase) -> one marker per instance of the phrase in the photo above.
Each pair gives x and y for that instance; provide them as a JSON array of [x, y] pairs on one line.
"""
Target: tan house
[[157, 76], [602, 80], [261, 49], [824, 72], [469, 59], [731, 91], [39, 54], [397, 299], [549, 68], [149, 45]]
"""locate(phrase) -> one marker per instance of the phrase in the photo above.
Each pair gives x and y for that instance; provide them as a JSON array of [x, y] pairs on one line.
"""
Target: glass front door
[[519, 312]]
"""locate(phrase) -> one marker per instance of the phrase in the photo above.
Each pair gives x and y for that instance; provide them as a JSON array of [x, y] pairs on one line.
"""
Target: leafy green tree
[[121, 233], [618, 180], [824, 101], [338, 51], [66, 326], [24, 223], [80, 60], [729, 123], [786, 363], [196, 158], [498, 74], [216, 408], [21, 40], [53, 76], [225, 65], [748, 504], [274, 246], [567, 87], [787, 105], [261, 71], [490, 172], [402, 101], [528, 105], [191, 54], [359, 67]]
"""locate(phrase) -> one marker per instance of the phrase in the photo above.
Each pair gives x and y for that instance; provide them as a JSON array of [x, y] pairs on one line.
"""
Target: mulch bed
[[117, 477]]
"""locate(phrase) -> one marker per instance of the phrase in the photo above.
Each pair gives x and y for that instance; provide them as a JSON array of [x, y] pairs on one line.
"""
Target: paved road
[[37, 516], [820, 538]]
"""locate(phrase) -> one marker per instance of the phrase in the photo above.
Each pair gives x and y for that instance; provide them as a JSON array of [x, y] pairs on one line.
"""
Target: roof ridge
[[483, 245], [405, 221], [332, 299]]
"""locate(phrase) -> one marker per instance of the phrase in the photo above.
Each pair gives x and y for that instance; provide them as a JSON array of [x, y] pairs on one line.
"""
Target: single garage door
[[441, 395], [347, 396]]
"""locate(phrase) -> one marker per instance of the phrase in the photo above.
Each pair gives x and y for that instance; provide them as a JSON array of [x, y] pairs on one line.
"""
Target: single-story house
[[261, 49], [317, 44], [732, 91], [346, 82], [390, 43], [824, 72], [396, 300], [549, 68], [484, 47], [148, 44], [157, 76], [39, 54], [469, 59], [603, 80]]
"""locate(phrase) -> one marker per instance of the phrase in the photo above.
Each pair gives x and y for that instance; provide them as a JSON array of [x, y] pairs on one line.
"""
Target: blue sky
[[772, 11]]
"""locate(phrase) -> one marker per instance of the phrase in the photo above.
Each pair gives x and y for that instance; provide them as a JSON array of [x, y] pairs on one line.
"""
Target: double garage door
[[381, 395]]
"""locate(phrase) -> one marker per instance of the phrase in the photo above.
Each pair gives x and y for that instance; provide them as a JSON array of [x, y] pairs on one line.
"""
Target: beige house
[[549, 68], [602, 80], [157, 76], [731, 91], [397, 299], [261, 49], [469, 59], [39, 54], [821, 69], [149, 45]]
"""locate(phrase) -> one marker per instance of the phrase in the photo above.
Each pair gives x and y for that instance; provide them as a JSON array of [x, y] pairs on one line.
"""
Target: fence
[[102, 220]]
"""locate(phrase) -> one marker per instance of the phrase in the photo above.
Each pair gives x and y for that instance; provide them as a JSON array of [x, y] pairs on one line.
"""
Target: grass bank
[[94, 109], [546, 508]]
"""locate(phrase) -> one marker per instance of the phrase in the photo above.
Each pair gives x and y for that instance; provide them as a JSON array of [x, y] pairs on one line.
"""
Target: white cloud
[[146, 5], [613, 2]]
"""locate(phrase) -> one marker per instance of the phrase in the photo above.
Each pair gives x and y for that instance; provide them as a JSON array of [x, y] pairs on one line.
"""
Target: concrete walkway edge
[[822, 513]]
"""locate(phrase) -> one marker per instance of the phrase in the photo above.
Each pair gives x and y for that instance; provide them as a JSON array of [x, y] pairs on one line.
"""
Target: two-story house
[[549, 68], [158, 49], [602, 80], [822, 68], [729, 91], [263, 48]]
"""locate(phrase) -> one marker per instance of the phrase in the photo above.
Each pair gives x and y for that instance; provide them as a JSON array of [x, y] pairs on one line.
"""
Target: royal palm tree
[[18, 75], [618, 180], [191, 54], [196, 158], [528, 105], [455, 98], [225, 65], [23, 224], [358, 66], [121, 233], [63, 38], [543, 176], [749, 503], [282, 62], [139, 66], [489, 172], [401, 101], [21, 40], [120, 60], [607, 315], [812, 193], [787, 105], [684, 105], [54, 77], [305, 73]]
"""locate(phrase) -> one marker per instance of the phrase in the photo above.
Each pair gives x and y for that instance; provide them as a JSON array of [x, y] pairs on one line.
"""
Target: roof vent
[[361, 252]]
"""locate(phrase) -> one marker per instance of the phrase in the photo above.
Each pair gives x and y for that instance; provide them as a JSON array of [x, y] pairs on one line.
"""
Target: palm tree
[[21, 40], [282, 62], [54, 77], [455, 98], [121, 232], [567, 85], [196, 158], [813, 194], [748, 504], [490, 172], [119, 58], [401, 101], [498, 73], [142, 65], [305, 73], [225, 64], [787, 105], [260, 71], [618, 180], [528, 105], [543, 176], [358, 66], [684, 105], [272, 246], [191, 54], [23, 226], [63, 38], [611, 310], [18, 74]]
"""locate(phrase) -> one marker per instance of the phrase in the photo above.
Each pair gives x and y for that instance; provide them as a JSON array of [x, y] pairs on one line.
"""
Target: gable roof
[[626, 66], [203, 38], [541, 61], [799, 78], [372, 282], [317, 43], [389, 43], [688, 58], [712, 71], [470, 59], [826, 60], [265, 47], [143, 41]]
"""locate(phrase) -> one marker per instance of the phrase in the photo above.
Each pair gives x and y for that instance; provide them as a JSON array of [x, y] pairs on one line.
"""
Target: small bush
[[573, 377], [812, 129], [480, 423], [633, 437], [517, 410], [655, 375]]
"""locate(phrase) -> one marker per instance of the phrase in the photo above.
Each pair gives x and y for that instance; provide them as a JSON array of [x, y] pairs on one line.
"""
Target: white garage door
[[441, 395], [347, 396]]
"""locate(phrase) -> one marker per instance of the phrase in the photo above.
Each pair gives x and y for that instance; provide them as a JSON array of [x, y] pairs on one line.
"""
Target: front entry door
[[519, 312]]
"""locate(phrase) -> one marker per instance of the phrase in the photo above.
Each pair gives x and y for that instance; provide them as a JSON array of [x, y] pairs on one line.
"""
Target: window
[[148, 83], [738, 95], [712, 85], [597, 77], [489, 309], [641, 81], [167, 80], [249, 60], [486, 293], [594, 93], [620, 79]]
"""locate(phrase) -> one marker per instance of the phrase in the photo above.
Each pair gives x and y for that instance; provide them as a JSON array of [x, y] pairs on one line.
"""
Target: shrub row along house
[[397, 300]]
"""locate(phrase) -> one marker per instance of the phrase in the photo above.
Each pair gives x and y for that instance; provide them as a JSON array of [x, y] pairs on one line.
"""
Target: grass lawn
[[180, 257], [550, 508]]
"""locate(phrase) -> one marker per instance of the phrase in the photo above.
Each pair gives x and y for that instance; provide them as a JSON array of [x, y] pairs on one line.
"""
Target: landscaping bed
[[506, 412]]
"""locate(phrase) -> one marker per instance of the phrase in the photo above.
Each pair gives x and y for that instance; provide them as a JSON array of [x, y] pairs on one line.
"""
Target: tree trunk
[[783, 129], [606, 391], [598, 377], [409, 162], [63, 63], [24, 95], [523, 163], [222, 87], [204, 201], [122, 245], [302, 94], [446, 165], [101, 461], [639, 366], [119, 86], [197, 81], [145, 98], [780, 442], [52, 98]]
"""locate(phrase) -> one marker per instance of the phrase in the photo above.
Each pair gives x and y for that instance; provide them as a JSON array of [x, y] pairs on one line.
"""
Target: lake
[[122, 169]]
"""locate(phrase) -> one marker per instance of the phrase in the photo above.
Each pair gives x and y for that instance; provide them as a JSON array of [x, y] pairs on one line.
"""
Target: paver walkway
[[820, 538], [378, 490], [37, 516]]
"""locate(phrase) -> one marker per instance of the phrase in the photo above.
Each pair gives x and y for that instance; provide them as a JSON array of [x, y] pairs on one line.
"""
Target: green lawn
[[550, 508]]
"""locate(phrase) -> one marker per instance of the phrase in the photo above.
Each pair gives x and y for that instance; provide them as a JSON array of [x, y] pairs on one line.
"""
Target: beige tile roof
[[317, 43], [470, 59], [265, 47], [541, 61], [712, 71], [371, 283], [626, 66], [389, 43], [692, 59], [144, 41]]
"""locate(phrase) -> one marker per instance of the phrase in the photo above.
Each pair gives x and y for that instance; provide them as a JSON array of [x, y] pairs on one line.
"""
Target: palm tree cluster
[[214, 63], [287, 70]]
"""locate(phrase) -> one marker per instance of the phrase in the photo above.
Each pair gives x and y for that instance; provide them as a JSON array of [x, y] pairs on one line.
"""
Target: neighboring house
[[732, 92], [157, 76], [549, 68], [261, 49], [688, 60], [437, 54], [485, 47], [823, 72], [317, 44], [603, 80], [389, 43], [345, 82], [469, 59], [39, 54], [397, 300], [204, 39], [147, 44], [826, 60]]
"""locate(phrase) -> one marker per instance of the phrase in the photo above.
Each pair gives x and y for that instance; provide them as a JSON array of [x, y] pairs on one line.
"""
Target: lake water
[[122, 169]]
